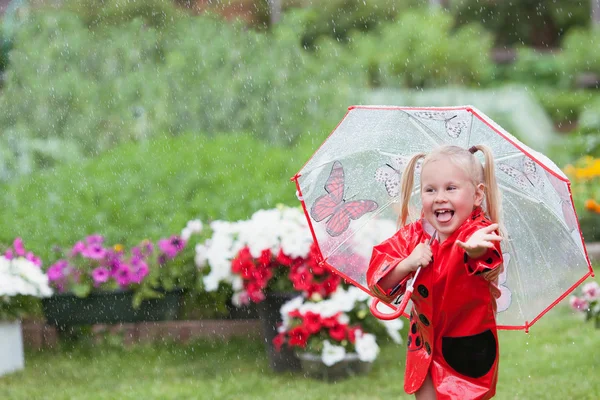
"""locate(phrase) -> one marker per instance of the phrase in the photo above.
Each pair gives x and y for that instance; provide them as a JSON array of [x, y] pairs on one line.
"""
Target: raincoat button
[[423, 291]]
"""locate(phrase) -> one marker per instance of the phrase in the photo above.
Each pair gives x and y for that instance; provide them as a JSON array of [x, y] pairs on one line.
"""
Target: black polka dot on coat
[[422, 289], [424, 319], [413, 328], [427, 348]]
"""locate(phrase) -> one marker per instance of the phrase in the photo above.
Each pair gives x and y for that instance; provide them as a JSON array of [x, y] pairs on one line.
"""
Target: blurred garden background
[[159, 121]]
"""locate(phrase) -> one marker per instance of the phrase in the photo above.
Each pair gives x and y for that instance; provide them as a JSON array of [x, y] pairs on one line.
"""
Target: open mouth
[[444, 215]]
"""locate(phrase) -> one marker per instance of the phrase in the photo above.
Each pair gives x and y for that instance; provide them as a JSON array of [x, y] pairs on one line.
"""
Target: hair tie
[[473, 149]]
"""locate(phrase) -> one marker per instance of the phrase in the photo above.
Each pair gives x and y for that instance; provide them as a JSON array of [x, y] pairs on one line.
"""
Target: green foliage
[[421, 50], [149, 190], [338, 19], [154, 13], [581, 53], [93, 89], [564, 105], [542, 68], [526, 22]]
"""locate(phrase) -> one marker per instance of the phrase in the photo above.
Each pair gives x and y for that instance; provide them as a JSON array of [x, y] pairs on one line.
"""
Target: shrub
[[421, 50], [93, 89]]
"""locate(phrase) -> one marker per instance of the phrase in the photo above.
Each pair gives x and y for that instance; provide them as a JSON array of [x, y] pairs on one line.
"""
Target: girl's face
[[448, 196]]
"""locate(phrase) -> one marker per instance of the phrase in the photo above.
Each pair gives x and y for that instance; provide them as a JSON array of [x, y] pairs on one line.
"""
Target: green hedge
[[69, 85], [150, 190]]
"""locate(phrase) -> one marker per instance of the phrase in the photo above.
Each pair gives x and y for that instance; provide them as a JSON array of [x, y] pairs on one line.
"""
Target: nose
[[440, 197]]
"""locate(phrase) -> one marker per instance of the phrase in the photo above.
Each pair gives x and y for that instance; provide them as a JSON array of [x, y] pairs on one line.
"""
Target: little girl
[[452, 340]]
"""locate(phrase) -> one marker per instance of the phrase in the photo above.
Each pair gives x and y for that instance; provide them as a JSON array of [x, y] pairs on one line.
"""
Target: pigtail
[[493, 205], [493, 199], [406, 187]]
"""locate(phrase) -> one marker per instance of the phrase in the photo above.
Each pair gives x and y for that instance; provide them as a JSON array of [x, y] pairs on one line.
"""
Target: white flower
[[332, 354], [279, 229], [366, 347], [20, 276]]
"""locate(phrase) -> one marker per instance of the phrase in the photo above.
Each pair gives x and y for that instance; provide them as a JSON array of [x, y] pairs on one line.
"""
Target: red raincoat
[[452, 333]]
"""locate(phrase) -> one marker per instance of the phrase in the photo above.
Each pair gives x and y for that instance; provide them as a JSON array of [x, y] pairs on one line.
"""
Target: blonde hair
[[480, 174]]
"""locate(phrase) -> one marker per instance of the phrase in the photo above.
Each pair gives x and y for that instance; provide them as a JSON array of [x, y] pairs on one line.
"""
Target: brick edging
[[38, 335]]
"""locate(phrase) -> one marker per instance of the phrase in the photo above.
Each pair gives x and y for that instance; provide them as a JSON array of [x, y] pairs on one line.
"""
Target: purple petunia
[[123, 275], [172, 246], [19, 248], [55, 272], [100, 275]]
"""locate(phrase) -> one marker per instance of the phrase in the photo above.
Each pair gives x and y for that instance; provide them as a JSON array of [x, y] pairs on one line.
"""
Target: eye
[[451, 187], [428, 190]]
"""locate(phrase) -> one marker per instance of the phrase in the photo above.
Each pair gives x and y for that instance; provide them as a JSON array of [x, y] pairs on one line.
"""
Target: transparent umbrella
[[349, 191]]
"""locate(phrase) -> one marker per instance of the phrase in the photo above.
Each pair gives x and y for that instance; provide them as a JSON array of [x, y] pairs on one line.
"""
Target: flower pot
[[351, 365], [66, 309], [270, 316], [11, 347]]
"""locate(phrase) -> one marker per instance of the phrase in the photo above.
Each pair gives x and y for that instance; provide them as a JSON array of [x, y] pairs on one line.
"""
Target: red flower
[[262, 275], [338, 332], [298, 337], [352, 332], [279, 340], [283, 259], [312, 322], [264, 260], [330, 322], [301, 278]]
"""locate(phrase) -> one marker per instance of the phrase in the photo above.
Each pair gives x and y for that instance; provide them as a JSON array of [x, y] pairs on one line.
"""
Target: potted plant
[[267, 260], [588, 302], [22, 283], [334, 338], [100, 283]]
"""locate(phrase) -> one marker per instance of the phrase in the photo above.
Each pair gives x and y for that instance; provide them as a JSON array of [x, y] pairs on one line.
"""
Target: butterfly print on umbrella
[[503, 302], [333, 207], [390, 174], [456, 123], [526, 177]]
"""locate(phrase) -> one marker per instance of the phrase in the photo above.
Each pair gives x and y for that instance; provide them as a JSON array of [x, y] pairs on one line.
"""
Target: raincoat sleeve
[[491, 259], [385, 257]]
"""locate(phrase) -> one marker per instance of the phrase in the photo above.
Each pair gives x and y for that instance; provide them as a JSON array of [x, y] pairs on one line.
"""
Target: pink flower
[[591, 291], [578, 303], [123, 275], [33, 258], [94, 251], [77, 248], [140, 270], [55, 272], [170, 247], [9, 254], [19, 248], [100, 275]]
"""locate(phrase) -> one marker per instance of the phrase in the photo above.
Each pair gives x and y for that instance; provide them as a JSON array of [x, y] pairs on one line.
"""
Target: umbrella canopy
[[349, 191]]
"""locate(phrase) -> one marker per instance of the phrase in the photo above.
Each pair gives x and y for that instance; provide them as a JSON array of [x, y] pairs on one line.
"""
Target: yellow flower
[[118, 248]]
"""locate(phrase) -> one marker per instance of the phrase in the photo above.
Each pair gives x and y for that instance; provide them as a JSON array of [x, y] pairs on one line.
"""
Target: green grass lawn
[[558, 359]]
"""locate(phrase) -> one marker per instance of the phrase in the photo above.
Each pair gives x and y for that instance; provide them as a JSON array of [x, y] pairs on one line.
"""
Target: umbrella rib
[[532, 235], [520, 194], [420, 128]]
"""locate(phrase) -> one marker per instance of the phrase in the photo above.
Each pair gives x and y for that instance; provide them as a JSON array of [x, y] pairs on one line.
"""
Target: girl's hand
[[480, 241], [421, 256]]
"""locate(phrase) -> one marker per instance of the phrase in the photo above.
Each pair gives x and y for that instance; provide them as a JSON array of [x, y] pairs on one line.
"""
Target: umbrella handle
[[393, 315]]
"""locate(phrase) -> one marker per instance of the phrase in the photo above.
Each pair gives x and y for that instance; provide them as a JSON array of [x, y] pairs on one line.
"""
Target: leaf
[[81, 290]]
